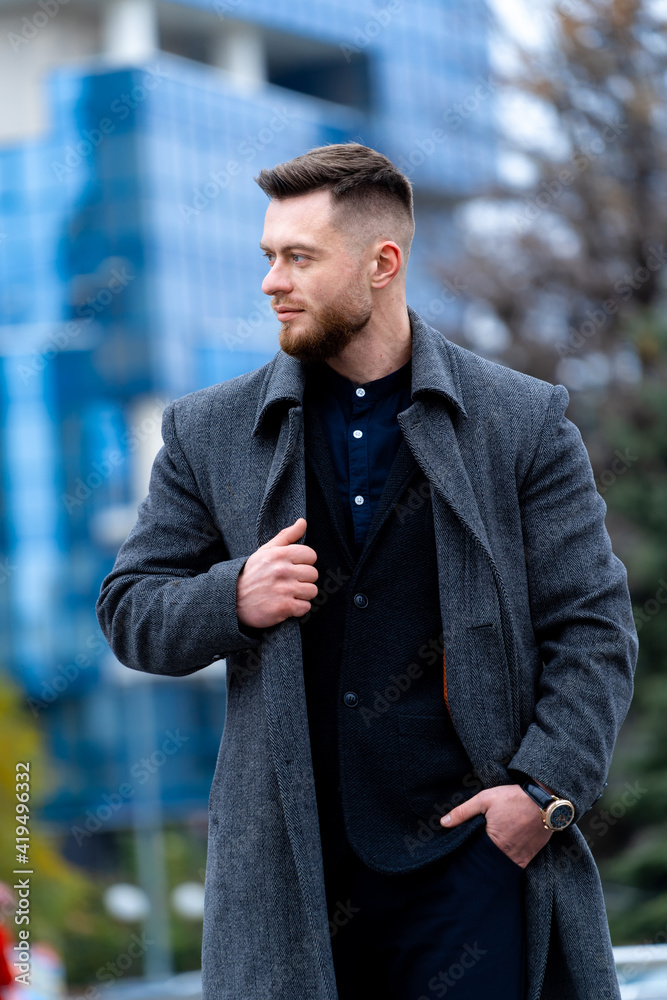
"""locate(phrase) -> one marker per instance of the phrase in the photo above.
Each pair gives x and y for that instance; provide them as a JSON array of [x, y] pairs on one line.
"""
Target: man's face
[[313, 272]]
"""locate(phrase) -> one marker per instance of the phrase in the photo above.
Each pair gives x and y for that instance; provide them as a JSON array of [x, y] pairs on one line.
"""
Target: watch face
[[560, 815]]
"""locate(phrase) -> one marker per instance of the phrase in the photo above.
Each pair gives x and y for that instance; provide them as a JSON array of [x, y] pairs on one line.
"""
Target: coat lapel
[[284, 500]]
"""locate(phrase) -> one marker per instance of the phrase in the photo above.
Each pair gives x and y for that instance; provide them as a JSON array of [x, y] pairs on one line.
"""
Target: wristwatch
[[556, 813]]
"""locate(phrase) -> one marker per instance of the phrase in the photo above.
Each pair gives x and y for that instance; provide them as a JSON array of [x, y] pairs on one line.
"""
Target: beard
[[330, 331]]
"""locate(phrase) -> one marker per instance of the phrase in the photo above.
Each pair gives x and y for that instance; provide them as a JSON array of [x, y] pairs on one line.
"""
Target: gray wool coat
[[539, 637]]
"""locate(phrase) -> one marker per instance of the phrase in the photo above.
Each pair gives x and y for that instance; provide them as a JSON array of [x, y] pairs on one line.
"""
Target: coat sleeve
[[582, 617], [168, 606]]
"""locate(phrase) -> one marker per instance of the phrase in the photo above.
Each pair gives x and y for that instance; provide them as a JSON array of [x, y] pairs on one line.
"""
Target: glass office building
[[131, 273]]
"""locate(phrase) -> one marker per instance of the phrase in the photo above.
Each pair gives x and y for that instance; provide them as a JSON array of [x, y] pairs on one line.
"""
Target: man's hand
[[513, 821], [278, 580]]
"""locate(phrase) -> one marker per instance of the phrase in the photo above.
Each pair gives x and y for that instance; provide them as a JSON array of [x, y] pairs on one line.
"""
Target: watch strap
[[538, 794]]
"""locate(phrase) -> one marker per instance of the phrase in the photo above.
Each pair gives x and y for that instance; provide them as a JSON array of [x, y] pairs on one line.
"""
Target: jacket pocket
[[433, 764]]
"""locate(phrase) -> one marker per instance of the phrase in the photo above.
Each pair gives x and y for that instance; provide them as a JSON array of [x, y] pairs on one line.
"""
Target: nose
[[277, 280]]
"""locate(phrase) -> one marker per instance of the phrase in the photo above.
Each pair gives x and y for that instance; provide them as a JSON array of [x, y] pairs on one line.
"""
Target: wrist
[[545, 787], [520, 777]]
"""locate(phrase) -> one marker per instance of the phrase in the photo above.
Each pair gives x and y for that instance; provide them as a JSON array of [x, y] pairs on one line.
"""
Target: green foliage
[[186, 862], [94, 940], [634, 856]]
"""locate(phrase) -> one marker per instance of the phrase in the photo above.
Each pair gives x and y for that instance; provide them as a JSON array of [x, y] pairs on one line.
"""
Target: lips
[[284, 313]]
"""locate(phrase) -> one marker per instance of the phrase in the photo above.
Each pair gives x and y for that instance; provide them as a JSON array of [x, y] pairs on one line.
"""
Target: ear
[[387, 263]]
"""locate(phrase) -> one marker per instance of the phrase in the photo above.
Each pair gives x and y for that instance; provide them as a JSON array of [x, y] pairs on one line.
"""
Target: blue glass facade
[[131, 275]]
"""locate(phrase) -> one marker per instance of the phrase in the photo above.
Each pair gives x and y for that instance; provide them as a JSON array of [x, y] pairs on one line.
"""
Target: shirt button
[[350, 698], [360, 600], [358, 434], [358, 500], [361, 392]]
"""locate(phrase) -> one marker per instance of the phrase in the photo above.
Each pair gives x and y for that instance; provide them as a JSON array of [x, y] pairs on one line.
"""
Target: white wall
[[34, 40]]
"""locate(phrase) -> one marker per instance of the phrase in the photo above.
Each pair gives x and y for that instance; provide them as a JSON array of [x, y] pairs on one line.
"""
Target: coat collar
[[434, 369]]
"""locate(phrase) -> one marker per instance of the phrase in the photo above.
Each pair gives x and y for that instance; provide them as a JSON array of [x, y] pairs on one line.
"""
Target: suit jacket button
[[350, 698], [216, 657], [360, 600]]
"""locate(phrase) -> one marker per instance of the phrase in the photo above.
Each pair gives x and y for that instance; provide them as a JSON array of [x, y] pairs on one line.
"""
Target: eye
[[298, 255], [267, 255]]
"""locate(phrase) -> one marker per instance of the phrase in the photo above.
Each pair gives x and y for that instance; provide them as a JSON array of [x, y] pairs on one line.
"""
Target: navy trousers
[[454, 928]]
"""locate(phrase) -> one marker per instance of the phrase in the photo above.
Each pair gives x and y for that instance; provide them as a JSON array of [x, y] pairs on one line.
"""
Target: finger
[[301, 553], [288, 535], [307, 573], [304, 591], [473, 807]]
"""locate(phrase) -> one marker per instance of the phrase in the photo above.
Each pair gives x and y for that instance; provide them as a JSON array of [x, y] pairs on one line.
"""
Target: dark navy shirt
[[363, 433]]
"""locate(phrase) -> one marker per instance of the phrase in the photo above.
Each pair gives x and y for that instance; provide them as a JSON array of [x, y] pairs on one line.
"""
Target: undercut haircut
[[371, 198]]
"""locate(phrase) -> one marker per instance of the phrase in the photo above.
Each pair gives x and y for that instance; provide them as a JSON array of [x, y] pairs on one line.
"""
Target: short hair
[[372, 199]]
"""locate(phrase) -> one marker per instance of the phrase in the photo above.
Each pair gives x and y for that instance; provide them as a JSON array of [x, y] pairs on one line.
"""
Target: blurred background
[[130, 131]]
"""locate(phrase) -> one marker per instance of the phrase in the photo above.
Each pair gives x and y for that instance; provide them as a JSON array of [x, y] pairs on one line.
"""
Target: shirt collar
[[323, 376], [434, 370]]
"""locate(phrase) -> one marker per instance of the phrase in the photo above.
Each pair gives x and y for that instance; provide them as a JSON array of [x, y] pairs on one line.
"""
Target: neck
[[384, 345]]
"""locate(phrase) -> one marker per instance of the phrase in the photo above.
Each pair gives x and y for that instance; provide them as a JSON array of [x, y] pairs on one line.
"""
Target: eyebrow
[[294, 246]]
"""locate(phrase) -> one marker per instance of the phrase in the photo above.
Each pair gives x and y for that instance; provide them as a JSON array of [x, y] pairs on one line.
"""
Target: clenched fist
[[278, 580]]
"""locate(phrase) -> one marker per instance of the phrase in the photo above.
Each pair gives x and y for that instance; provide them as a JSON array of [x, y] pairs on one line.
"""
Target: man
[[423, 700]]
